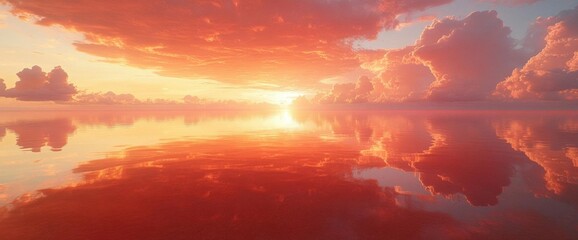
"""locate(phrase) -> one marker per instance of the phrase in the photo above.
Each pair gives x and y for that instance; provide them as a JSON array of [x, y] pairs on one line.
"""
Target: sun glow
[[283, 98]]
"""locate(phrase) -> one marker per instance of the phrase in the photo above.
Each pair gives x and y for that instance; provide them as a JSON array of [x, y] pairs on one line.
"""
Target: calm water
[[289, 175]]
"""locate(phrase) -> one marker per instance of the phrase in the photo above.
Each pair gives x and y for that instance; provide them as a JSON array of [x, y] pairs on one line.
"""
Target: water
[[289, 175]]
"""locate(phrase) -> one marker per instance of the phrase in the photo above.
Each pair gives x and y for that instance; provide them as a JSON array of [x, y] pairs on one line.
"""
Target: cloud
[[512, 2], [453, 60], [552, 74], [398, 78], [119, 101], [294, 42], [108, 98], [468, 57], [402, 78], [36, 85], [349, 92]]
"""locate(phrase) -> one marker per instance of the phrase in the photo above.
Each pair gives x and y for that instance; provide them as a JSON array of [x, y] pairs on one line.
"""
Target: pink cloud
[[121, 100], [398, 77], [295, 42], [512, 2], [573, 63], [468, 57], [357, 92], [553, 72], [454, 60], [36, 85], [402, 78], [106, 98]]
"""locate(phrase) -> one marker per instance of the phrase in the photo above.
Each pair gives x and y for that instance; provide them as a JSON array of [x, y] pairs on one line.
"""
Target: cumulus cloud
[[468, 57], [398, 77], [402, 78], [511, 2], [349, 92], [294, 42], [553, 72], [36, 85], [453, 60]]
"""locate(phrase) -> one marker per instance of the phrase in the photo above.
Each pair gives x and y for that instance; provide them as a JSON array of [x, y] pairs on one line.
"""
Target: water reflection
[[2, 132], [314, 175], [271, 187], [552, 143], [456, 154], [36, 130], [33, 135]]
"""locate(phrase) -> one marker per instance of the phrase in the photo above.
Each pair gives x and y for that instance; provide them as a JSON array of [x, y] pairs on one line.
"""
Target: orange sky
[[340, 51]]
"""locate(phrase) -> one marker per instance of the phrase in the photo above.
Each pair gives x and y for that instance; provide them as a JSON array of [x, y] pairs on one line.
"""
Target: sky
[[277, 51]]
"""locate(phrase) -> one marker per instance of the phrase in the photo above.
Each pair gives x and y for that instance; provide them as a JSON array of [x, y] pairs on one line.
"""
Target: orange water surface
[[289, 175]]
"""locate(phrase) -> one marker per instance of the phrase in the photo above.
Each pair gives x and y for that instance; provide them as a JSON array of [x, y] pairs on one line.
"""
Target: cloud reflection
[[464, 153], [34, 135], [35, 130], [551, 143], [2, 132], [455, 152], [276, 187], [279, 184]]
